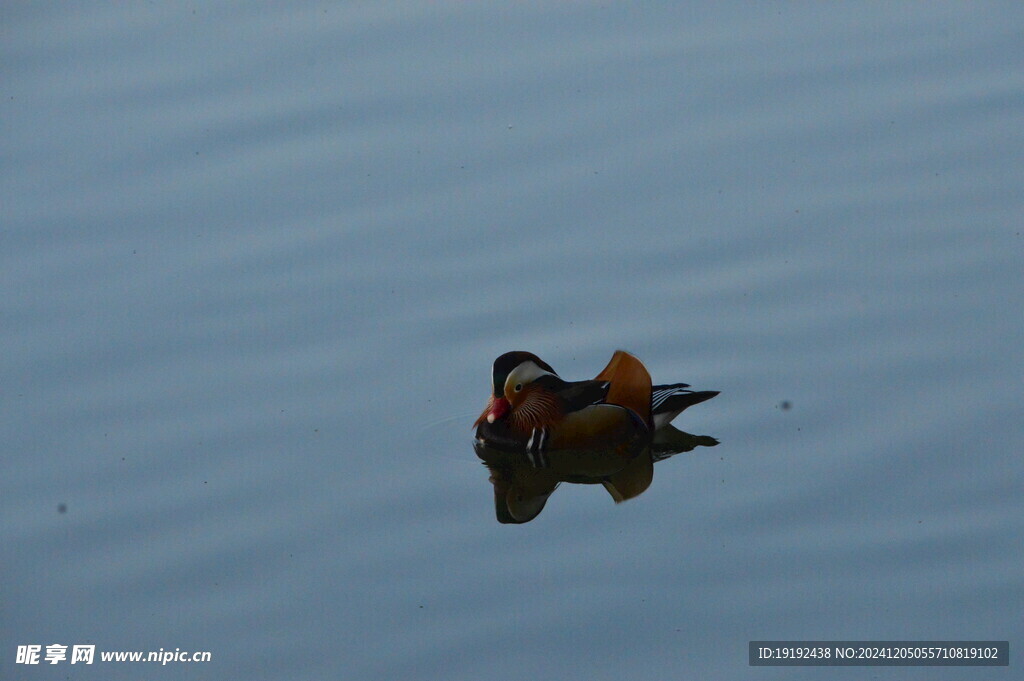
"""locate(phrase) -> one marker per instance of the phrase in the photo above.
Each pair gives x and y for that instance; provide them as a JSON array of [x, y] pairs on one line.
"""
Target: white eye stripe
[[524, 374]]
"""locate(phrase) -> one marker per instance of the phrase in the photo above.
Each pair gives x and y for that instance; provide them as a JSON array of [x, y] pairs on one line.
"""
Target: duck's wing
[[575, 395], [668, 401], [629, 384]]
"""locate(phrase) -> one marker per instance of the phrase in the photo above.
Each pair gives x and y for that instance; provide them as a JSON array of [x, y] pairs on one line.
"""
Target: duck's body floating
[[533, 409]]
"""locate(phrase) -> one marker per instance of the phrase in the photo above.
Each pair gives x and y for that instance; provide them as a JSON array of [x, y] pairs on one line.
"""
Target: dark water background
[[256, 261]]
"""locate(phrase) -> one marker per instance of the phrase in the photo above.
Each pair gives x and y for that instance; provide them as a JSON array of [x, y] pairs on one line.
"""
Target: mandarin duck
[[531, 408]]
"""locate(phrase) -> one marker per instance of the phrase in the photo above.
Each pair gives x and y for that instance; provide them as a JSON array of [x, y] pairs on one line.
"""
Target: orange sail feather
[[630, 384]]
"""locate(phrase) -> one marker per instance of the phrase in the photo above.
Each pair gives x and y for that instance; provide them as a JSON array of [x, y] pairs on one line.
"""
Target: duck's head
[[511, 375]]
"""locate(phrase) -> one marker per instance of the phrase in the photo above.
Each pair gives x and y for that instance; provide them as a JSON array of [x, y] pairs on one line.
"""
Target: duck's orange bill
[[499, 408], [496, 408]]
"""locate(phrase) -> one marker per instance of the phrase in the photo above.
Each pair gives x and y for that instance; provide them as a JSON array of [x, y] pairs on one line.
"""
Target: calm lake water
[[257, 260]]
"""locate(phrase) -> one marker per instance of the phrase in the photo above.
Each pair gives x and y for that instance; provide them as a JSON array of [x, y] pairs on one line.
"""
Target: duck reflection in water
[[539, 430]]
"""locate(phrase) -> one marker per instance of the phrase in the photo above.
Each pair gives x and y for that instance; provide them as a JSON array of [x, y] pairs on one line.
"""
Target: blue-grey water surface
[[256, 260]]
